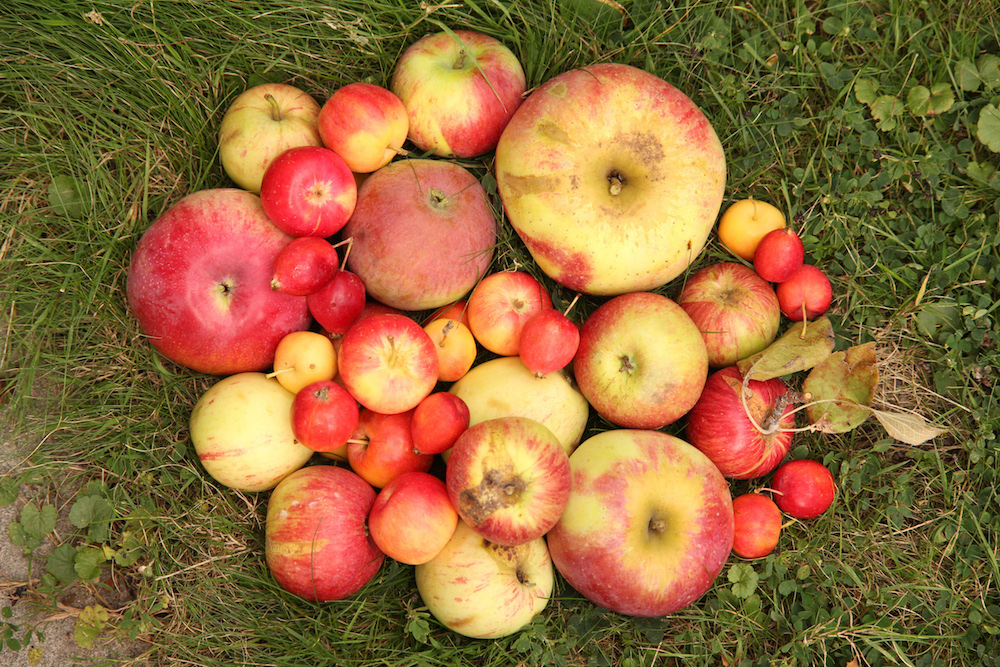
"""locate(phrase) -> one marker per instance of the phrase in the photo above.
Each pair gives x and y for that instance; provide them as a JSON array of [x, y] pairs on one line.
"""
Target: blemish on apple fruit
[[497, 490], [626, 365]]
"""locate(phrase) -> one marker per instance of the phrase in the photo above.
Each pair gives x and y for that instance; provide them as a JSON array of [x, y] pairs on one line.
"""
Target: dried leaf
[[907, 428], [844, 383], [792, 352]]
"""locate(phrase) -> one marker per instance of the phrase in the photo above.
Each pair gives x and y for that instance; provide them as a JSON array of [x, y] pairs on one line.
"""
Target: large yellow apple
[[612, 177]]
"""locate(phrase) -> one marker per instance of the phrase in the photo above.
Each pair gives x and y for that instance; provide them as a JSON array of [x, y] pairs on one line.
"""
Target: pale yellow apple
[[304, 357]]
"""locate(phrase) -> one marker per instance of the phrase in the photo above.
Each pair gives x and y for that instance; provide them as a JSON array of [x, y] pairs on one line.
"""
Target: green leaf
[[800, 348], [744, 579], [61, 563], [95, 514], [967, 75], [9, 489], [87, 563], [38, 522], [865, 90], [989, 70], [844, 384], [885, 109], [988, 128], [89, 624], [65, 196], [923, 102]]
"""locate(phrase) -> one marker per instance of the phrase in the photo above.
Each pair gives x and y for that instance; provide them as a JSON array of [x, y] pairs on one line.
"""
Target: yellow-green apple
[[500, 305], [412, 518], [338, 304], [304, 266], [484, 590], [199, 284], [641, 362], [381, 448], [262, 123], [304, 357], [805, 295], [456, 348], [548, 342], [803, 488], [324, 416], [242, 432], [735, 309], [388, 362], [745, 432], [779, 254], [612, 177], [365, 124], [756, 525], [649, 509], [504, 387], [438, 250], [460, 89], [509, 479], [309, 191], [316, 543], [438, 421]]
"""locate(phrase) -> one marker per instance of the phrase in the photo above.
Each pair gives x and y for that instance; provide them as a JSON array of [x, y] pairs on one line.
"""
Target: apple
[[434, 253], [779, 254], [438, 421], [648, 525], [460, 89], [745, 223], [455, 346], [549, 341], [412, 519], [642, 362], [805, 295], [262, 123], [484, 590], [324, 416], [757, 525], [338, 304], [199, 284], [242, 433], [304, 266], [509, 479], [803, 488], [735, 309], [309, 191], [304, 357], [747, 433], [504, 387], [388, 362], [612, 177], [500, 305], [316, 544], [365, 124], [381, 448]]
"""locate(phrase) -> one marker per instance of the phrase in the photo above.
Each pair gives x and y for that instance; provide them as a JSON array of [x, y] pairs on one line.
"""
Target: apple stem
[[804, 321], [349, 242], [572, 303], [279, 371], [356, 441], [275, 109], [460, 63], [400, 151], [616, 184]]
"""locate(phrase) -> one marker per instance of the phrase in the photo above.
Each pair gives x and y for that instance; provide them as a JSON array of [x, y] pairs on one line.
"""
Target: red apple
[[746, 434], [309, 191], [735, 309], [805, 295], [412, 518], [199, 284], [460, 89], [778, 255], [388, 363], [499, 307], [338, 304], [549, 341], [757, 525], [423, 234], [324, 416], [803, 488], [304, 266], [438, 421], [509, 479], [381, 448], [365, 124], [315, 541]]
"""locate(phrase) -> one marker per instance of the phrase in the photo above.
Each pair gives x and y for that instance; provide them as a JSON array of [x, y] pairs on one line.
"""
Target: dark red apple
[[806, 294], [381, 448], [549, 341], [338, 304], [757, 524], [324, 416], [309, 191], [438, 420], [778, 255], [304, 266], [803, 488]]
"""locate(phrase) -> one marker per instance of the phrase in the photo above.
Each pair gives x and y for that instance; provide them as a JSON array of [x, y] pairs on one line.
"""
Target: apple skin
[[388, 363], [779, 254], [338, 304], [304, 266], [757, 525], [499, 307], [381, 448], [649, 508], [365, 124], [735, 309], [412, 518], [304, 357], [803, 488], [642, 362], [458, 105], [309, 191], [436, 252], [456, 348], [242, 432], [806, 294], [484, 590], [509, 479], [324, 416], [199, 284], [438, 421], [718, 424], [549, 341], [316, 544], [262, 123], [612, 177]]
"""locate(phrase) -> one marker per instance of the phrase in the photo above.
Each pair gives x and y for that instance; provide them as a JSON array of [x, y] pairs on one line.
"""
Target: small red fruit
[[549, 341], [757, 523], [778, 255], [339, 303], [437, 422], [803, 488], [324, 416], [304, 265], [805, 295]]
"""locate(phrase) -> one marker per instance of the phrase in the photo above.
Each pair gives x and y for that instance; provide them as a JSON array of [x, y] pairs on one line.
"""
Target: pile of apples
[[343, 293]]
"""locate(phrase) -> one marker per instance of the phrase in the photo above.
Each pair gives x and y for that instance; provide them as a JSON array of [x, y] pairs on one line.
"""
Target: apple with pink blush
[[412, 518], [324, 416], [757, 525], [803, 488], [309, 191], [456, 348], [438, 421], [365, 124], [499, 307], [805, 295], [779, 254], [381, 448]]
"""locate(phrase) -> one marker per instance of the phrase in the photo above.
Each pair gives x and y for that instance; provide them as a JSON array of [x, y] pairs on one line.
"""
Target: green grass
[[120, 103]]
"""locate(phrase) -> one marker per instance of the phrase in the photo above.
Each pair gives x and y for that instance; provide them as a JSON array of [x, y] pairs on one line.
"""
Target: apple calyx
[[511, 556], [626, 364], [438, 200], [275, 109], [658, 526], [496, 491]]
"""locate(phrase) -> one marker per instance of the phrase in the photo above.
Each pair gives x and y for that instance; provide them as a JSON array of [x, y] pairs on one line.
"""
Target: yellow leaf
[[906, 427]]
